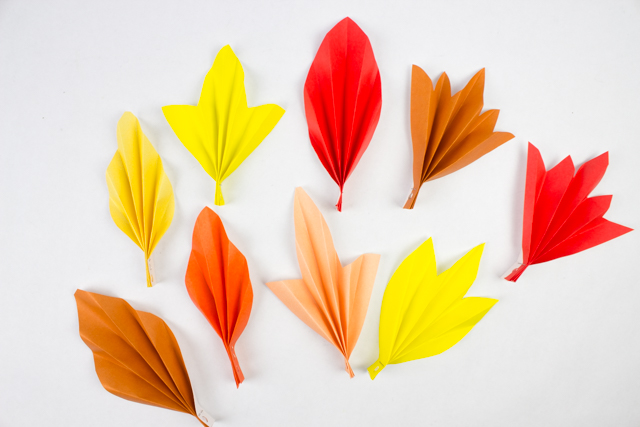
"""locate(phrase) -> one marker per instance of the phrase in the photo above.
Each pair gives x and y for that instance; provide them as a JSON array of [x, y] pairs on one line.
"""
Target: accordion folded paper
[[136, 355], [559, 217], [221, 131], [342, 100], [448, 132], [140, 194], [423, 313], [331, 299], [218, 283]]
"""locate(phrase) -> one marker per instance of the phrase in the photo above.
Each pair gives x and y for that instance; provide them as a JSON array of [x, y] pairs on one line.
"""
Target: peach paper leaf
[[331, 299]]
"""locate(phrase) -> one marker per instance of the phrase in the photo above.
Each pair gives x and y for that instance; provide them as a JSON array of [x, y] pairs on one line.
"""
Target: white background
[[561, 347]]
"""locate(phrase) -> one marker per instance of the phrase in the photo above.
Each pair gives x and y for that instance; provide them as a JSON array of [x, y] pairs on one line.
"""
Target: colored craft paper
[[221, 131], [136, 355], [331, 299], [342, 100], [448, 132], [423, 313], [218, 283], [140, 194], [559, 218]]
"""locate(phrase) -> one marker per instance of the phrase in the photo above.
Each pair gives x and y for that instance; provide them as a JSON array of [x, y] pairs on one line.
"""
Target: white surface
[[559, 349]]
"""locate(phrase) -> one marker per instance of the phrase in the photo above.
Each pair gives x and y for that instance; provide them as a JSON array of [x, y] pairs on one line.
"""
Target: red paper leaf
[[342, 100], [218, 283], [559, 217]]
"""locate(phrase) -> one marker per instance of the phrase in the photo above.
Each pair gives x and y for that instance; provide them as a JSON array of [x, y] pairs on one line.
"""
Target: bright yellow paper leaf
[[140, 194], [423, 313], [221, 131]]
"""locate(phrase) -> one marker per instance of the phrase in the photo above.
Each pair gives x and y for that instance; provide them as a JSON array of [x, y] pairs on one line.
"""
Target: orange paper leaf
[[136, 355], [331, 299], [218, 283], [448, 132]]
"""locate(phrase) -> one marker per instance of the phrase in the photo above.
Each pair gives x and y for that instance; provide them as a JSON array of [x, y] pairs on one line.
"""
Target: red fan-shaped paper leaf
[[342, 100], [136, 355], [218, 283], [559, 217]]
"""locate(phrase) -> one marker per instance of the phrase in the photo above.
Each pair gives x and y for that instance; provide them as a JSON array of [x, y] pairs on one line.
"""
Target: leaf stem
[[339, 204], [148, 264], [411, 201], [515, 274], [219, 200], [237, 372]]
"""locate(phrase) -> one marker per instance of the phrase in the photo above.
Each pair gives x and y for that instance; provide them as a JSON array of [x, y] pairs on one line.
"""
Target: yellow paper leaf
[[221, 131], [423, 313], [140, 194]]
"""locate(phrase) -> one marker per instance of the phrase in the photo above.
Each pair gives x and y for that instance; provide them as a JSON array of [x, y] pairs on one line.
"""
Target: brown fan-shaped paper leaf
[[448, 132], [136, 355]]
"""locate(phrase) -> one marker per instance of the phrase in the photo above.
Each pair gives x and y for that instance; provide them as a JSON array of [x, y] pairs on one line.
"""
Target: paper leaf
[[136, 355], [424, 314], [220, 132], [140, 195], [559, 217], [342, 100], [331, 299], [448, 132], [218, 283]]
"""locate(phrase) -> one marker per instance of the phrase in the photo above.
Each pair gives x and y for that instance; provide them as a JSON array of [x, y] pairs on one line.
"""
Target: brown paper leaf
[[448, 132], [136, 355]]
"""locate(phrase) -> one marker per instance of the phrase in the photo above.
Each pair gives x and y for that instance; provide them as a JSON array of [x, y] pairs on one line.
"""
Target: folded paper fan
[[423, 313], [218, 283], [136, 355], [448, 132], [342, 100], [221, 131], [331, 299], [559, 218], [140, 195]]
